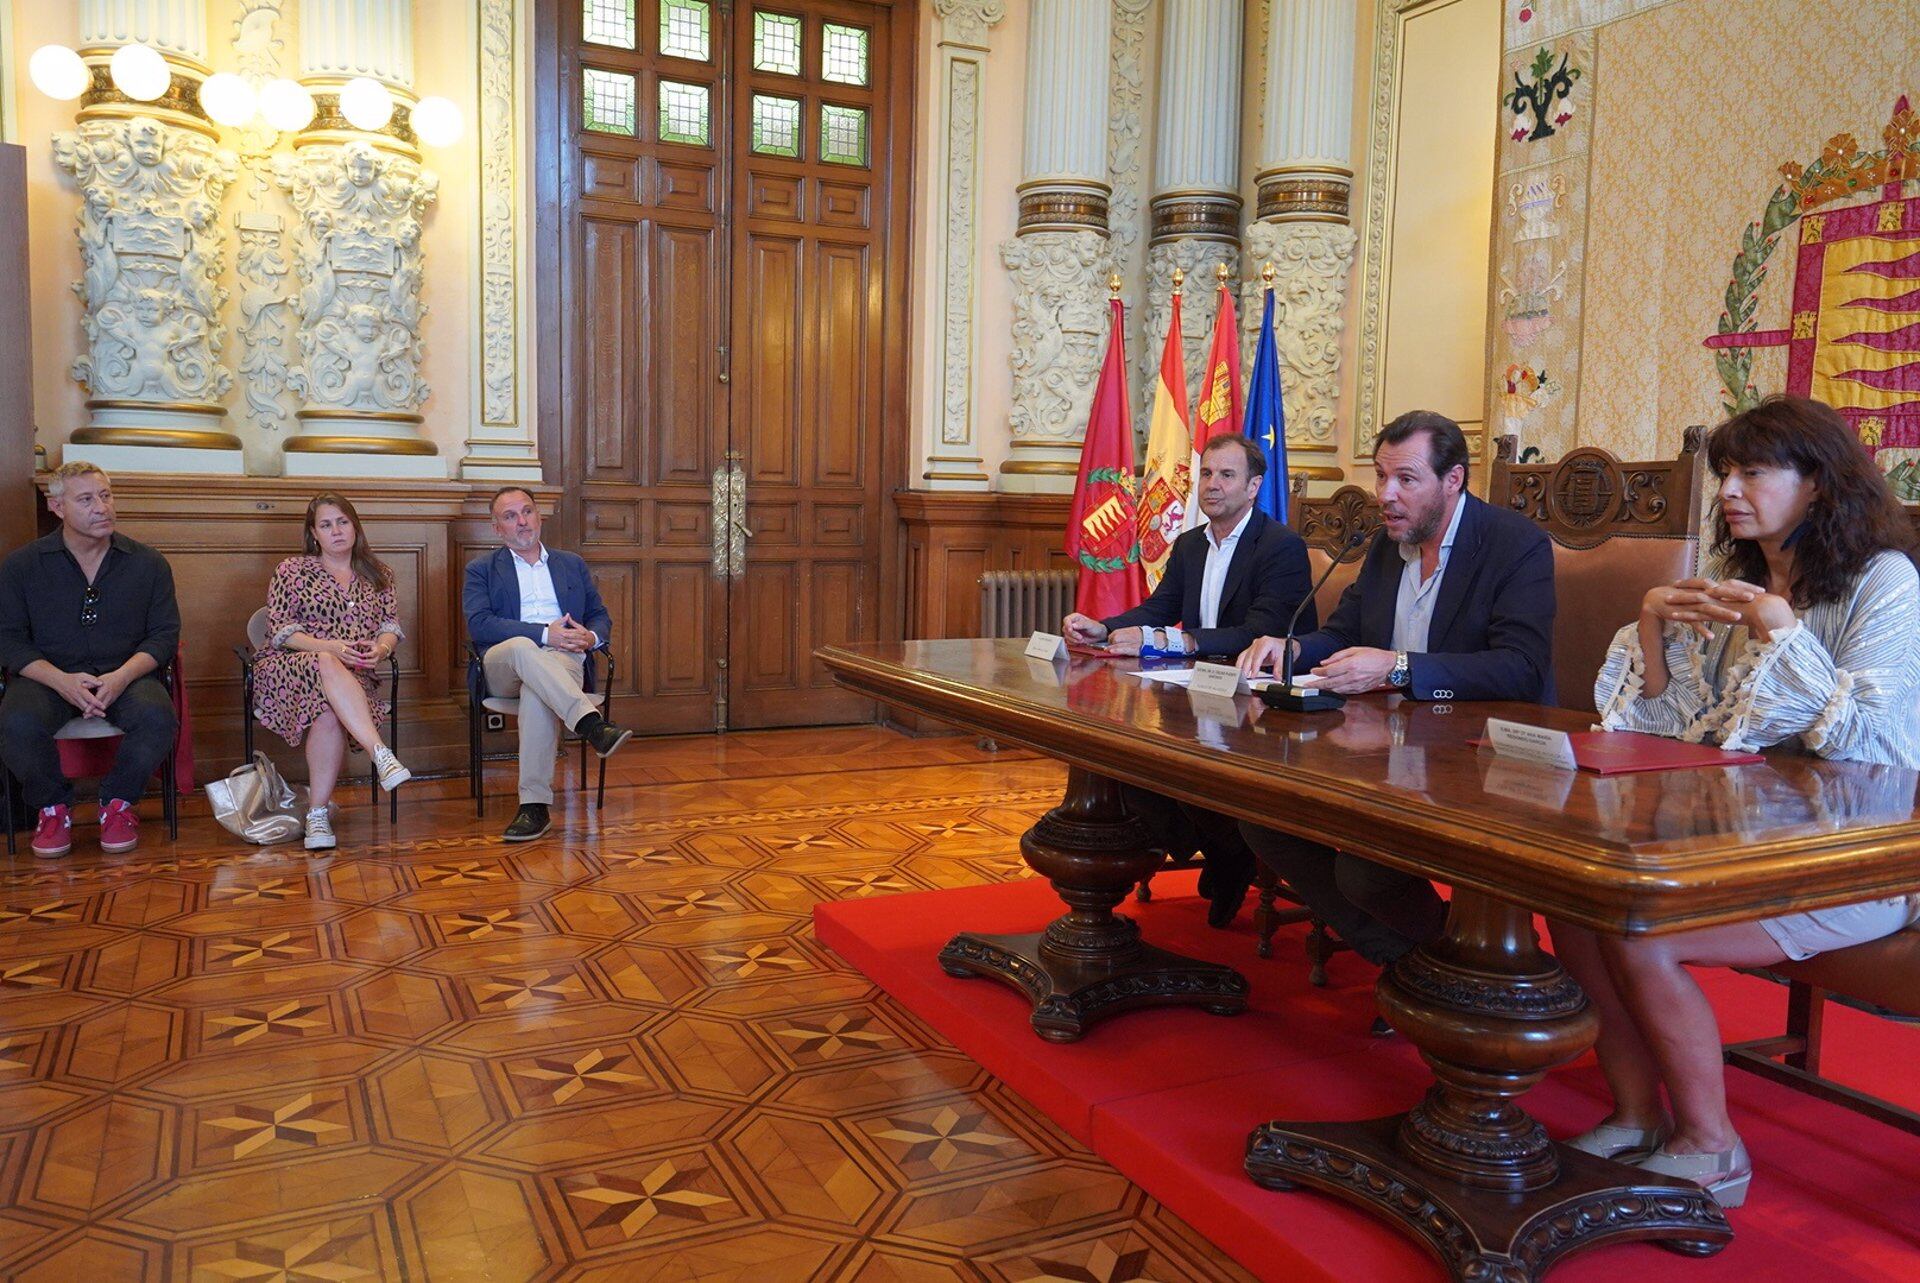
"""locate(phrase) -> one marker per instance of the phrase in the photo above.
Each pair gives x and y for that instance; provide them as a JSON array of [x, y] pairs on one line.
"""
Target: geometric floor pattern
[[616, 1053]]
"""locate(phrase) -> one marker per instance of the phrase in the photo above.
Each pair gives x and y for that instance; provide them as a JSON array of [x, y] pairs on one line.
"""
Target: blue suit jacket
[[490, 596], [1267, 578], [1492, 632]]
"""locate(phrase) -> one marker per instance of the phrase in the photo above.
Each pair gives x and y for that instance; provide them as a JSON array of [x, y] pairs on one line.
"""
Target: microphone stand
[[1298, 699]]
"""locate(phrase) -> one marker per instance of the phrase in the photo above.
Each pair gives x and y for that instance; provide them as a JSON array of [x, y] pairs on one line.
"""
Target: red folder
[[1624, 752]]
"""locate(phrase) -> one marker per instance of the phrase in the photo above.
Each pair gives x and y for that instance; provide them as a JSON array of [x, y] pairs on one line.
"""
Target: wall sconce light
[[139, 72], [437, 121], [286, 105], [366, 103], [58, 73], [229, 100]]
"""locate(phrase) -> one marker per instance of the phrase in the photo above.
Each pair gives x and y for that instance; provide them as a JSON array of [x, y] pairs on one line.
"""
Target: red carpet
[[1169, 1096]]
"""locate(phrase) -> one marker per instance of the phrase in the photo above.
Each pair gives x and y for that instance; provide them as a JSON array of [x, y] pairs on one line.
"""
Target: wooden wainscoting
[[953, 539], [224, 536]]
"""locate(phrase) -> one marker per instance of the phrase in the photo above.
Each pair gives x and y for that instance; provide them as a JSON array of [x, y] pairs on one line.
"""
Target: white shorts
[[1801, 935]]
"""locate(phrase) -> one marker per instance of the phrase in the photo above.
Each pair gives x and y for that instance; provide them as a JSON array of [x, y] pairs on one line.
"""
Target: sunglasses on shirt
[[90, 606]]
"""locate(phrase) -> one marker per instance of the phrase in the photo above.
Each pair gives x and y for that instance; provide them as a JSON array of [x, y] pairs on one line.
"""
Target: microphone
[[1288, 696]]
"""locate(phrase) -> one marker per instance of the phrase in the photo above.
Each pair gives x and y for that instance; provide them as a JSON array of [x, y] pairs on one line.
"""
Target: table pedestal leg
[[1090, 963], [1467, 1171]]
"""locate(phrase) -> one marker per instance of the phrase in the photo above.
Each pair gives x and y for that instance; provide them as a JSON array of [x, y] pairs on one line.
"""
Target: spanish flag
[[1165, 484], [1219, 411], [1103, 535]]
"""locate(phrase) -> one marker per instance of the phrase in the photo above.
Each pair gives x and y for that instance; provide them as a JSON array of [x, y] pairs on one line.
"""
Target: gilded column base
[[1304, 194], [156, 436], [345, 444]]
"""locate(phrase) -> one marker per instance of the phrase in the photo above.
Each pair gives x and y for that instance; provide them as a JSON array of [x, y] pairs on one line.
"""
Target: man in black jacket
[[1239, 576], [1453, 602]]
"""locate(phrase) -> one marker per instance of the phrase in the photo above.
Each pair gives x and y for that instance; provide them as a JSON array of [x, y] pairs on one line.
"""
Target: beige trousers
[[548, 685]]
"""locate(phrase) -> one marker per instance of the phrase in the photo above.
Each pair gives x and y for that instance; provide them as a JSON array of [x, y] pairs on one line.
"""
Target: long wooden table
[[1466, 1170]]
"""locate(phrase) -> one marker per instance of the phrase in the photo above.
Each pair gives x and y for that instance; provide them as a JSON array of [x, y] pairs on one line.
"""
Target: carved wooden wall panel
[[952, 539]]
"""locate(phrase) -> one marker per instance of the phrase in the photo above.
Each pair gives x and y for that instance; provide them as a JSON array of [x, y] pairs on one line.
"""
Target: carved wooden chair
[[1617, 529]]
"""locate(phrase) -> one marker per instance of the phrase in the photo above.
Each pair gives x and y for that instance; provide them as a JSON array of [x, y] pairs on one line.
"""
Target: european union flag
[[1267, 417]]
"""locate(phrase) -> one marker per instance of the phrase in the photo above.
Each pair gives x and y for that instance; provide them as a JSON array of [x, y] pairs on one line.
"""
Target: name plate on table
[[1531, 743], [1217, 679], [1046, 646]]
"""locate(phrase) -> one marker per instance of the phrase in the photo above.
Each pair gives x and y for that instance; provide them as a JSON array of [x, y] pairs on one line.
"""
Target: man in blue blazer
[[1227, 582], [1454, 601], [533, 614]]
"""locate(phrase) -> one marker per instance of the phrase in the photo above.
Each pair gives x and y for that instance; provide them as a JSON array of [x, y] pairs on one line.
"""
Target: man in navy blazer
[[1227, 582], [533, 614], [1454, 601]]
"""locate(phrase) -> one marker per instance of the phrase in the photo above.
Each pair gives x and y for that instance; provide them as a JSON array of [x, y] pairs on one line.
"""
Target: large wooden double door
[[724, 183]]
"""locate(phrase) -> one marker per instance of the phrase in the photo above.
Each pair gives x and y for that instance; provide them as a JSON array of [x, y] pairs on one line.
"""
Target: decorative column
[[1303, 228], [953, 453], [501, 447], [152, 249], [1196, 158], [361, 196], [1060, 259]]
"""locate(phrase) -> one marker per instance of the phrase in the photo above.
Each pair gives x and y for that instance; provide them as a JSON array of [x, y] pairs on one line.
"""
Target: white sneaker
[[392, 774], [320, 830]]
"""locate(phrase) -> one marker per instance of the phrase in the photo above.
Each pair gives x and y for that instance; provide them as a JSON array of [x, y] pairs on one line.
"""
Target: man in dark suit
[[534, 613], [1227, 582], [1454, 601]]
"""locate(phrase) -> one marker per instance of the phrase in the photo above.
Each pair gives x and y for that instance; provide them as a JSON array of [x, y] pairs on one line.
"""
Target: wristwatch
[[1401, 677]]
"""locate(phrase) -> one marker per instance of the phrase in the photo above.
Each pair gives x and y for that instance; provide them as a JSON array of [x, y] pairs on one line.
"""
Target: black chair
[[247, 654], [87, 728], [480, 702]]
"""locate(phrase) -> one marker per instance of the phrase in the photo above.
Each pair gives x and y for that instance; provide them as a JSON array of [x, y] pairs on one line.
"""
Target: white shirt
[[539, 604], [1413, 608], [1213, 580]]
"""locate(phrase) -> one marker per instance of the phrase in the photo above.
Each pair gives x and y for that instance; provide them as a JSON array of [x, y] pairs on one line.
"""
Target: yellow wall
[[1686, 111]]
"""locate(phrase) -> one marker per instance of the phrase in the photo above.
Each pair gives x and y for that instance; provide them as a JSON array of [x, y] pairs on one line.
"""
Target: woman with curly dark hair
[[1805, 633]]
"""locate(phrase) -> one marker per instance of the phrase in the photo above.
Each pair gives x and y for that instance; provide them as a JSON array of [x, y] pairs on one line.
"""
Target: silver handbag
[[254, 803]]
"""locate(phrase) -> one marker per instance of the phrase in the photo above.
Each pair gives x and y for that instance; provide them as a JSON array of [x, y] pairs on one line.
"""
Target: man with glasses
[[87, 617]]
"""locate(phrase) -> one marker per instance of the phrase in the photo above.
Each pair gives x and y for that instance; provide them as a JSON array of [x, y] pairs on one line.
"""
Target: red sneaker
[[119, 827], [53, 836]]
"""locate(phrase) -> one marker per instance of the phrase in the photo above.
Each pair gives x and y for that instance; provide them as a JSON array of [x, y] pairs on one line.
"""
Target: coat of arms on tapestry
[[1852, 336]]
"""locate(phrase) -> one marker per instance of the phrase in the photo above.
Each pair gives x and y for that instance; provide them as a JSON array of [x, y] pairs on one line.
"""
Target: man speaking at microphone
[[1227, 582], [1453, 602]]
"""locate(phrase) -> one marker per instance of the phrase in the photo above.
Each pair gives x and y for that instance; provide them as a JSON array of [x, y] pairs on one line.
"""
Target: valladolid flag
[[1267, 417], [1165, 484], [1219, 409], [1103, 534]]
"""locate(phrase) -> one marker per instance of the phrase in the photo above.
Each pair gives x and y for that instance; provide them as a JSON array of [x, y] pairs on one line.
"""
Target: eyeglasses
[[90, 606]]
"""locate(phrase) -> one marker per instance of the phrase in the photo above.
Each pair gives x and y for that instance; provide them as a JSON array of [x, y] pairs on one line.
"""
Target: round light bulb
[[286, 105], [366, 104], [228, 100], [437, 121], [58, 72], [139, 72]]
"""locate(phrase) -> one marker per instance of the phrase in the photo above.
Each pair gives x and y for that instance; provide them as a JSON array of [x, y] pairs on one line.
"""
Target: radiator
[[1018, 603]]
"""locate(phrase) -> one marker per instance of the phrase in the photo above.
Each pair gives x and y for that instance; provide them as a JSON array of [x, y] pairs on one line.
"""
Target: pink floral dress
[[305, 598]]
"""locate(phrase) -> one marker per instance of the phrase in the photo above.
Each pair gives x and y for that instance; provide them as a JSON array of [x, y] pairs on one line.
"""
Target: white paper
[[1171, 676], [1531, 743], [1046, 646], [1217, 679]]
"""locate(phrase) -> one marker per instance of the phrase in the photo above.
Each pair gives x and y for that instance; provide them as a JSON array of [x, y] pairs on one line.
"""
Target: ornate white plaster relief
[[1127, 147], [1198, 259], [499, 230], [1059, 327], [1311, 264]]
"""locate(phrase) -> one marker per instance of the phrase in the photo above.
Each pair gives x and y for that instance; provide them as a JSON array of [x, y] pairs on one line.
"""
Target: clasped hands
[[564, 634], [92, 695], [1700, 603], [1345, 672], [355, 654]]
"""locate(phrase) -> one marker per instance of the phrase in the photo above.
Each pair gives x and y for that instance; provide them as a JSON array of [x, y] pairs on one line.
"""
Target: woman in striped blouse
[[1806, 635]]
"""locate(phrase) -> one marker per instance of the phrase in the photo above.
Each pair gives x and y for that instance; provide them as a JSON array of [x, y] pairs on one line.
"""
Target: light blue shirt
[[1413, 608]]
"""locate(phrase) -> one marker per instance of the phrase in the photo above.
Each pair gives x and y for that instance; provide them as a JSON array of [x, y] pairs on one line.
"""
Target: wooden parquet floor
[[616, 1053]]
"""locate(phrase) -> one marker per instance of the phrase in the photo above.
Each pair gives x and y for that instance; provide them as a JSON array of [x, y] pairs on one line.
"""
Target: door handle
[[737, 531]]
